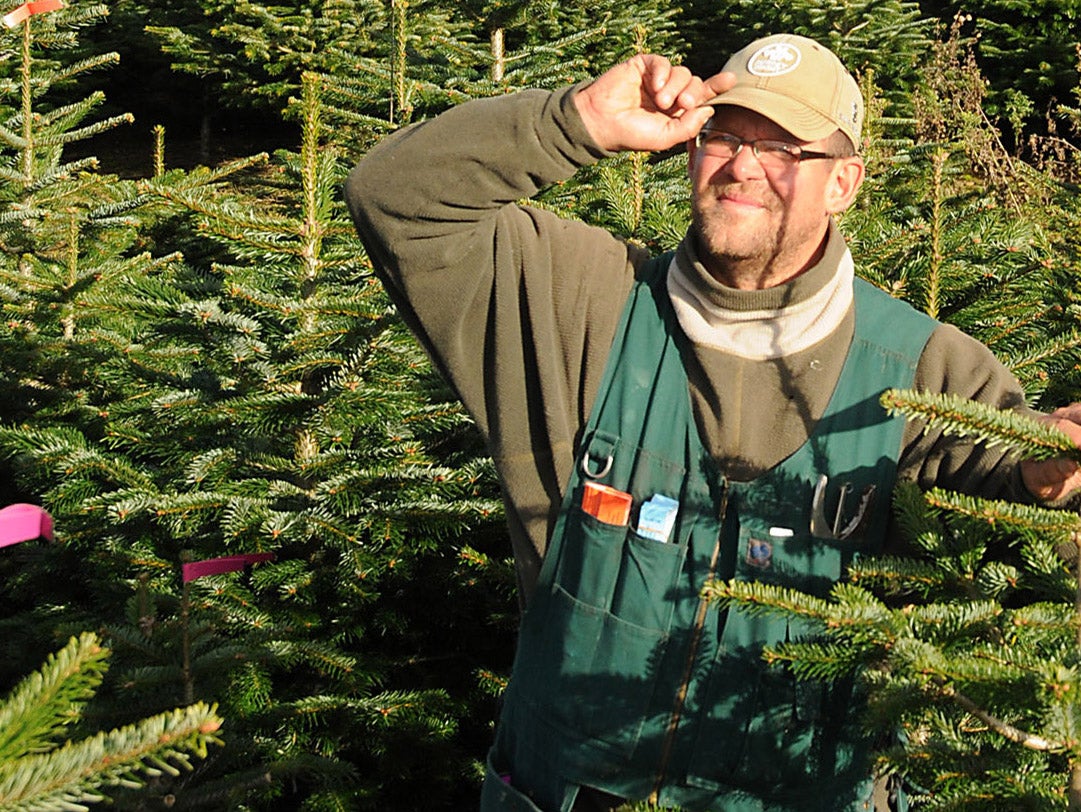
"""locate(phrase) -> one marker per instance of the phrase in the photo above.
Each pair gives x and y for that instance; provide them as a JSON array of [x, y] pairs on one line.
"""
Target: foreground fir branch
[[39, 773], [954, 415], [968, 647]]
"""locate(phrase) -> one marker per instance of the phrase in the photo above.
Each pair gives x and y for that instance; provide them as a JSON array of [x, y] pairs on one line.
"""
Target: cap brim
[[794, 116]]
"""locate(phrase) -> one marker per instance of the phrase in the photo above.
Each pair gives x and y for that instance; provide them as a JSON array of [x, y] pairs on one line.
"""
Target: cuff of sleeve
[[583, 149]]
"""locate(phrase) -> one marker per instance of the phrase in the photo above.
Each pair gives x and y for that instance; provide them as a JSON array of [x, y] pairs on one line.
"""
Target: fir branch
[[68, 777], [1052, 618], [1024, 435], [324, 658], [83, 133], [1058, 523], [50, 177], [943, 623], [895, 575], [1039, 356], [759, 599], [50, 698], [820, 661], [1008, 731], [36, 775], [91, 63], [886, 630], [230, 215]]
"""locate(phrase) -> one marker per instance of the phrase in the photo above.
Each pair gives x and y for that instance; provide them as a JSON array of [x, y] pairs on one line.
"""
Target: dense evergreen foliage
[[198, 361]]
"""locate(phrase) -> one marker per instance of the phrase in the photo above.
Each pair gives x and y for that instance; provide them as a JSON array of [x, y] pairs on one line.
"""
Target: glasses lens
[[779, 153], [718, 144]]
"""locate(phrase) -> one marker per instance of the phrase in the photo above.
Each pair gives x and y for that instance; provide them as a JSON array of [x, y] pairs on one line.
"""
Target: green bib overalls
[[624, 680]]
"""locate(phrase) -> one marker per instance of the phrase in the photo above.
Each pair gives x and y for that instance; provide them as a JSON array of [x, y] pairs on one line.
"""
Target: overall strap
[[894, 325]]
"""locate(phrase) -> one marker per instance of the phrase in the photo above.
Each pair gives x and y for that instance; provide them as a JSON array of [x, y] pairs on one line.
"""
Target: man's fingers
[[720, 83], [677, 90], [657, 71], [646, 103], [1049, 480], [685, 93], [1053, 479], [1067, 419], [1070, 413], [688, 124], [674, 88]]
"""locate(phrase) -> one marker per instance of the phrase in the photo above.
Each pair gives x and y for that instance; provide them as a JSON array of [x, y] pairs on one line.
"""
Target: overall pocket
[[645, 592], [613, 569], [589, 557], [591, 643], [499, 795], [588, 672], [798, 561]]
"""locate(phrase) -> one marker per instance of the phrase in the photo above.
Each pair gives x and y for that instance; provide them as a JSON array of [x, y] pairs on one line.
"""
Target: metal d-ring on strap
[[596, 474]]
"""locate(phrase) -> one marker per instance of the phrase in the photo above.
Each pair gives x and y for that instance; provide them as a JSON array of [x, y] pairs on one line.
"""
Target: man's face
[[757, 226]]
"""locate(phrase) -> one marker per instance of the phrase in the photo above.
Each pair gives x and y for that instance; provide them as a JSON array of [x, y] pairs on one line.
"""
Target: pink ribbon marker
[[21, 522], [16, 16], [217, 566]]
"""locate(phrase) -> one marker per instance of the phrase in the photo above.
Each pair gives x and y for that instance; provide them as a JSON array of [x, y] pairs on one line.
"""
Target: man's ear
[[845, 181], [692, 152]]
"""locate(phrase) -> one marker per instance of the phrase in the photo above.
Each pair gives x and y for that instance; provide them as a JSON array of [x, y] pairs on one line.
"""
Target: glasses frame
[[795, 152]]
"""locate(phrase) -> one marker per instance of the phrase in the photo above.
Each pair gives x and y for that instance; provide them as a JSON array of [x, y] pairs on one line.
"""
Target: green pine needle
[[51, 698], [1057, 523], [1025, 435]]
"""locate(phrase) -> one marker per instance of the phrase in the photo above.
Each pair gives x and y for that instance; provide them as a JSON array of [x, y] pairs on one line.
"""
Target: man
[[659, 421]]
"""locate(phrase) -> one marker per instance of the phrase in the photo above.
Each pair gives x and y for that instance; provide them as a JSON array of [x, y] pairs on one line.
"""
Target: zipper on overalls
[[692, 655]]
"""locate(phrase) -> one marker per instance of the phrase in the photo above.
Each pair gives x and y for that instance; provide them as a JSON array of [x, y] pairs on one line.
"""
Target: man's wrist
[[575, 123]]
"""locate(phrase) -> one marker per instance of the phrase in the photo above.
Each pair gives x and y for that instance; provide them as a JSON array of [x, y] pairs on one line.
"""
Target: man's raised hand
[[647, 104]]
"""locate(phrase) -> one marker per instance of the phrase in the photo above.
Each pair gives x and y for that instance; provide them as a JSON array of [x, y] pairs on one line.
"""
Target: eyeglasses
[[770, 153]]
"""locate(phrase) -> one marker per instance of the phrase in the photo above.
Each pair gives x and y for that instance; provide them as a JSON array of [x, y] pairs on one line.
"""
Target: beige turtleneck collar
[[762, 324]]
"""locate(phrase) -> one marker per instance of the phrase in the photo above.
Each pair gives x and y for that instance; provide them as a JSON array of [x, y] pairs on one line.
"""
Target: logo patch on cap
[[776, 59]]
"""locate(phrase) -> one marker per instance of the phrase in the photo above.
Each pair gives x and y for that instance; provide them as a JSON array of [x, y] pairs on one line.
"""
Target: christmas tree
[[966, 647], [254, 394]]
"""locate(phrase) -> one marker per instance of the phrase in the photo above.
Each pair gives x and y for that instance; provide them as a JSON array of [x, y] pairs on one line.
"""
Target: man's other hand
[[1049, 480]]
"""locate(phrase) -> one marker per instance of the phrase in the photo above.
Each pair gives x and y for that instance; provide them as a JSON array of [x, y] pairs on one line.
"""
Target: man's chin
[[713, 254]]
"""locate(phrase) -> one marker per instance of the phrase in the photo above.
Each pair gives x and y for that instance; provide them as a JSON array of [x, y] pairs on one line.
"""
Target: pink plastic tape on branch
[[217, 566], [19, 523], [16, 16]]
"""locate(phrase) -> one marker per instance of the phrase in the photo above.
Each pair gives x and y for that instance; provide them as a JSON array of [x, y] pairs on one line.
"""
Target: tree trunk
[[1073, 791], [499, 55]]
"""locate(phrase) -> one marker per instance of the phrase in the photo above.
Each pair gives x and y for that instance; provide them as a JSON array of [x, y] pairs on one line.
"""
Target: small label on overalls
[[759, 553]]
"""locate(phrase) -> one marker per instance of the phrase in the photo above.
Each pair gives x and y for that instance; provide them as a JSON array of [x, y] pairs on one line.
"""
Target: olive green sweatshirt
[[518, 308]]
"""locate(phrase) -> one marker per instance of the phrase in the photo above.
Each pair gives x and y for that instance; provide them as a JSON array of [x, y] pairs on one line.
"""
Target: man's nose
[[744, 165]]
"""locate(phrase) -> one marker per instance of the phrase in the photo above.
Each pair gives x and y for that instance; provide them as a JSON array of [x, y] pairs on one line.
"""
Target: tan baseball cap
[[798, 84]]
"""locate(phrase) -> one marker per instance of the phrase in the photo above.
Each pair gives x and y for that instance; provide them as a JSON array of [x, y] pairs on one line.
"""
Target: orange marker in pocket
[[606, 504]]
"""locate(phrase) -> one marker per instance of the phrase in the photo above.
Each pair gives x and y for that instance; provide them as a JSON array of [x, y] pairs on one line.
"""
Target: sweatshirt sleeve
[[517, 306], [955, 363]]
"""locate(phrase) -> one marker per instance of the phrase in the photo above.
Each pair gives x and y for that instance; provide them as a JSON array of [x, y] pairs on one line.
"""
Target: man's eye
[[720, 140], [778, 148]]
